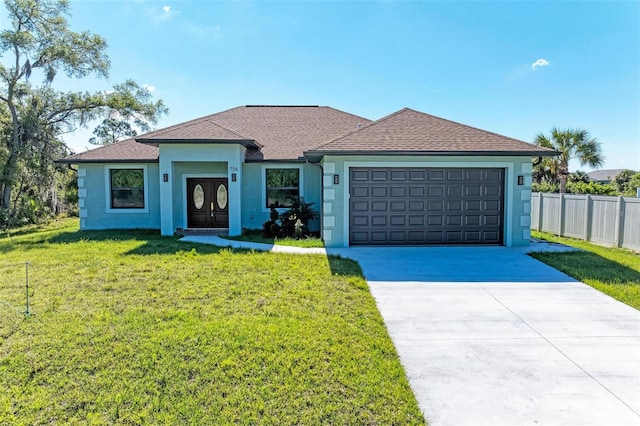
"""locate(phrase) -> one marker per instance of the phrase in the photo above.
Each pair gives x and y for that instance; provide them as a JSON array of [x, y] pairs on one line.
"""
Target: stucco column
[[235, 196], [166, 197]]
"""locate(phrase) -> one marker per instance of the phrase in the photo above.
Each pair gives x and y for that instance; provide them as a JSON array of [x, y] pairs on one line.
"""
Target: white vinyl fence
[[604, 220]]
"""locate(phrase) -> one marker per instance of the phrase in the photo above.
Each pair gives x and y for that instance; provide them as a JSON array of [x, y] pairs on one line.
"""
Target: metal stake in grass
[[26, 276]]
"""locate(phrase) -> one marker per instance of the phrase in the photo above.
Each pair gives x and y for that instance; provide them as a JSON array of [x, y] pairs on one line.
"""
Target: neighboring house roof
[[410, 131], [280, 132], [126, 151], [604, 175]]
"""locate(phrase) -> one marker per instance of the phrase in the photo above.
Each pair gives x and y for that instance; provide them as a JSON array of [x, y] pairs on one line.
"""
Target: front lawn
[[130, 327], [613, 271]]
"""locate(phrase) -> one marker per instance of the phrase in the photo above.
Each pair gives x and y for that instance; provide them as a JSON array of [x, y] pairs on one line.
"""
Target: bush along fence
[[605, 220]]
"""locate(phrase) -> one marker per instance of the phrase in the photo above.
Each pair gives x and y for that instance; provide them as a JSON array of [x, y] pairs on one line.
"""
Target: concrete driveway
[[490, 336]]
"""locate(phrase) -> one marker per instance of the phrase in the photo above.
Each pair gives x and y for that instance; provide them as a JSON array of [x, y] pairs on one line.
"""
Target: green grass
[[613, 271], [134, 328], [256, 237]]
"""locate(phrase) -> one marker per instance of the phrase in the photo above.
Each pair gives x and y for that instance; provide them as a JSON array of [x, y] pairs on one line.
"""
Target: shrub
[[593, 188]]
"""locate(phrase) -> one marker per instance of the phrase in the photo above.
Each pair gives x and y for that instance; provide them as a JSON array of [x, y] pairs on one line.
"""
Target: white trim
[[263, 189], [508, 181], [107, 187], [184, 190]]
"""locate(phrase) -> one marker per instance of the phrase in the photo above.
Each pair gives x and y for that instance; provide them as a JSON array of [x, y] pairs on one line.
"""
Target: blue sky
[[512, 67]]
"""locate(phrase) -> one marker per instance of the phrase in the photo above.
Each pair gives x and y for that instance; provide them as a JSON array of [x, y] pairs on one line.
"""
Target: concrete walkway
[[490, 336]]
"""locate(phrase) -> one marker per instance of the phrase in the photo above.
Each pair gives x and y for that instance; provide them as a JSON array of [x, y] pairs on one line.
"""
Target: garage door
[[426, 206]]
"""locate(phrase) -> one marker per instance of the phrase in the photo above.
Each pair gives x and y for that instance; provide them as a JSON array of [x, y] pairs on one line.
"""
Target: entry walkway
[[490, 336]]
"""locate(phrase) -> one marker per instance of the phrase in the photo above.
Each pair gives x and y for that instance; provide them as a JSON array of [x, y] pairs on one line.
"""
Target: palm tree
[[571, 143]]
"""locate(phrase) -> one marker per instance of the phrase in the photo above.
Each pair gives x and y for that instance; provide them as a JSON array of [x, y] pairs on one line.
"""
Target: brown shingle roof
[[409, 131], [286, 132], [281, 132], [126, 151]]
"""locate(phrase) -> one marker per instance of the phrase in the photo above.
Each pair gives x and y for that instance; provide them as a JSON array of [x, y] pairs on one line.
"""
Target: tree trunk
[[9, 172], [563, 183]]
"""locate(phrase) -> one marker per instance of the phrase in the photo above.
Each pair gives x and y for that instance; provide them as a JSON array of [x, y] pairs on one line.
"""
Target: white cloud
[[149, 87], [540, 63], [161, 15]]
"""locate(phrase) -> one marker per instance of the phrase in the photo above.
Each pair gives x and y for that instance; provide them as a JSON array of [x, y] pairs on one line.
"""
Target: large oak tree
[[37, 44]]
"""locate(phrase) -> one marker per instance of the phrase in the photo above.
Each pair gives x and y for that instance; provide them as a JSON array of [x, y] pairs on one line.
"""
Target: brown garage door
[[426, 206]]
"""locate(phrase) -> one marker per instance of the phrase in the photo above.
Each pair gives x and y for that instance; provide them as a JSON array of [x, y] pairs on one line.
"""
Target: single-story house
[[406, 179]]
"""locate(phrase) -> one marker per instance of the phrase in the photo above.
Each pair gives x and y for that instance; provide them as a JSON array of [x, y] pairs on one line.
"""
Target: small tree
[[632, 185], [622, 179], [579, 176], [571, 143]]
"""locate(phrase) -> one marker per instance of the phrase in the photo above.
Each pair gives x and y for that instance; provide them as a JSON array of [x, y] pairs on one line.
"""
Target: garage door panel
[[473, 236], [416, 220], [398, 175], [379, 175], [398, 206], [416, 206], [398, 220], [416, 237], [419, 175], [359, 206], [435, 174], [435, 205], [454, 237], [493, 174], [472, 205], [436, 191], [416, 191], [471, 190], [379, 237], [379, 220], [455, 191], [455, 174], [433, 220], [358, 220], [398, 236], [360, 191], [472, 220], [426, 206], [454, 220], [454, 205], [359, 175], [491, 220], [492, 190], [379, 191], [398, 191]]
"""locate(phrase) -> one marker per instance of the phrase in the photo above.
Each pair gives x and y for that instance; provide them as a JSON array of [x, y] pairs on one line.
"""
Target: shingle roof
[[126, 151], [411, 131], [604, 175], [288, 132], [281, 132]]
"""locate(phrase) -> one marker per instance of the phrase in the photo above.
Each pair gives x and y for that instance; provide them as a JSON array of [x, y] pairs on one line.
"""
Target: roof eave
[[100, 161], [315, 153], [247, 143]]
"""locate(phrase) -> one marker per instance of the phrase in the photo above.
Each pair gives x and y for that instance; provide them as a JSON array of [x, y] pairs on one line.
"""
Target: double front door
[[208, 203]]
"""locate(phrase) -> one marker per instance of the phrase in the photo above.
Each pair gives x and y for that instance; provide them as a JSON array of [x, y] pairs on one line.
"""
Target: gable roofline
[[114, 154], [534, 151]]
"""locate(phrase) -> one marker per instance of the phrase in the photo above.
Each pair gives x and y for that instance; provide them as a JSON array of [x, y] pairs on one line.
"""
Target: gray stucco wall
[[93, 200]]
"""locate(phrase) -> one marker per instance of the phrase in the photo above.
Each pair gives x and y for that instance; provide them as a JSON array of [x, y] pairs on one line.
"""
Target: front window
[[283, 187], [127, 188]]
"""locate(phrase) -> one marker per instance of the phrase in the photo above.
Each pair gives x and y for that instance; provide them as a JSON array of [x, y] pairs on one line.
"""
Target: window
[[127, 188], [283, 187]]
